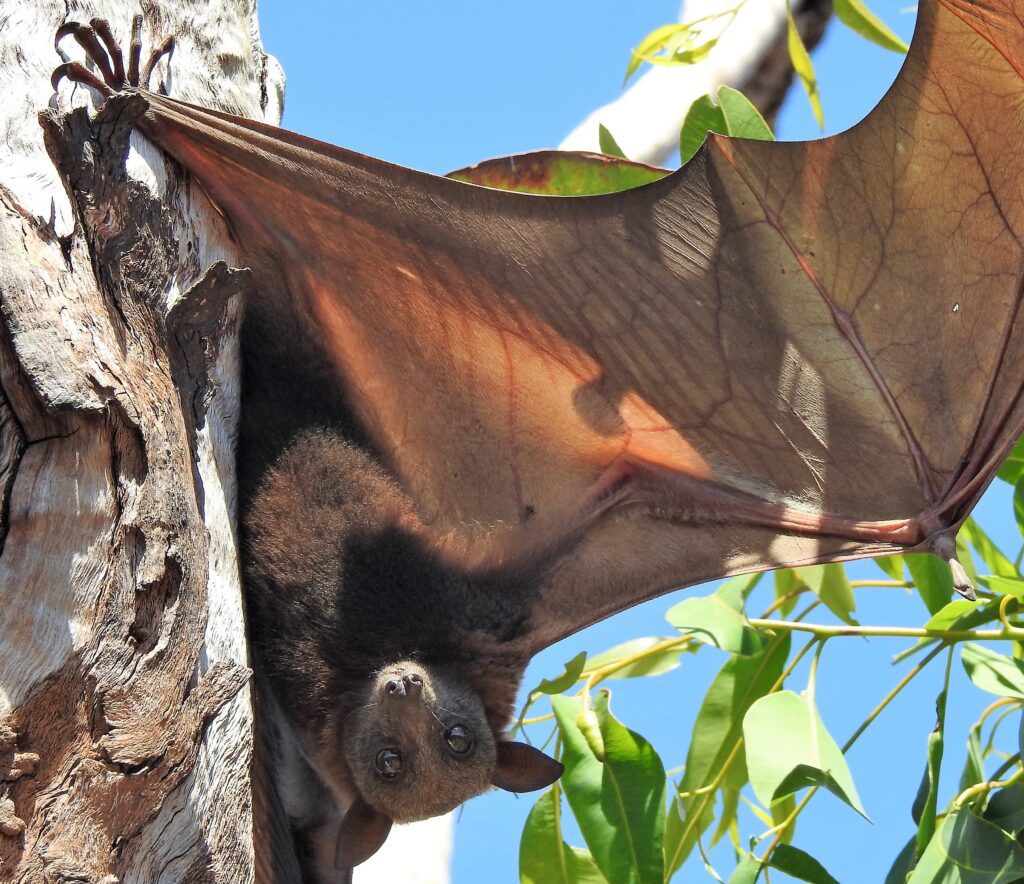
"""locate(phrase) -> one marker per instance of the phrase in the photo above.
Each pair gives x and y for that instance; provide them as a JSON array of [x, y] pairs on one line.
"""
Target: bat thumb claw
[[944, 546]]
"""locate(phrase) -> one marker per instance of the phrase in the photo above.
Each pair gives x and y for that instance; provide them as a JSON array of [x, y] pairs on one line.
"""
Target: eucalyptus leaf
[[742, 119], [891, 565], [990, 554], [788, 748], [544, 858], [1005, 586], [966, 849], [704, 116], [619, 804], [647, 664], [926, 803], [609, 146], [952, 614], [959, 614], [1013, 467], [718, 619], [653, 43], [932, 578], [1018, 506], [974, 764], [746, 872], [800, 865], [993, 672], [1005, 809], [801, 60], [731, 115], [830, 584], [856, 16], [716, 730], [562, 683], [560, 173], [786, 582], [904, 863]]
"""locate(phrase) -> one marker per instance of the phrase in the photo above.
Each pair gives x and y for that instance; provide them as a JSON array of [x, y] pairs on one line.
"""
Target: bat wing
[[782, 354]]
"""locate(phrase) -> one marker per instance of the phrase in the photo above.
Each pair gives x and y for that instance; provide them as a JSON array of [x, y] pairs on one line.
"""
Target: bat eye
[[388, 763], [459, 739]]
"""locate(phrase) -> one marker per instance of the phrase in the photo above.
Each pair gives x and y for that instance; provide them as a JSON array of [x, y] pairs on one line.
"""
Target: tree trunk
[[125, 717]]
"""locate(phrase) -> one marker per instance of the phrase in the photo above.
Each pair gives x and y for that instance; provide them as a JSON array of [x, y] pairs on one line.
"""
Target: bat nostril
[[395, 687], [413, 683]]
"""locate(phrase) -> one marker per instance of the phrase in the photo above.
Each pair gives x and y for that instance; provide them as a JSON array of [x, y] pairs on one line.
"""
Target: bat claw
[[944, 546], [103, 50]]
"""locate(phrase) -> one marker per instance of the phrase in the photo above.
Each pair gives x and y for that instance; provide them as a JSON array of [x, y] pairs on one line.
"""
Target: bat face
[[420, 745]]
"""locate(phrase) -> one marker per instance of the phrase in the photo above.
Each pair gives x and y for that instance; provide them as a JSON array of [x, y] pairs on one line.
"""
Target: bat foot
[[944, 546], [102, 49]]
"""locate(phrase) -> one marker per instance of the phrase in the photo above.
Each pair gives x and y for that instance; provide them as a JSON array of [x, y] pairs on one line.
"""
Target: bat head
[[419, 747]]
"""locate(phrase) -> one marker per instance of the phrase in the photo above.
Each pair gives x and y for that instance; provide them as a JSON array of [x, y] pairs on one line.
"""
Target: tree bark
[[125, 718]]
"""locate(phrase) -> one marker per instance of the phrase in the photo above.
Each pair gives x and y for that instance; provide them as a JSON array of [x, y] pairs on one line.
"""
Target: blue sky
[[437, 86]]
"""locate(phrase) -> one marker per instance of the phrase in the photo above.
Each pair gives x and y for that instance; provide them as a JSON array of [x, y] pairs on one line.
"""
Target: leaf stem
[[980, 789], [1009, 633]]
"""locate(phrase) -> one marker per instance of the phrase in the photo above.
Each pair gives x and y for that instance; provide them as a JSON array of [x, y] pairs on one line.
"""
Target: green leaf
[[802, 65], [959, 614], [703, 116], [1013, 467], [856, 16], [727, 815], [560, 173], [746, 872], [989, 552], [718, 727], [651, 664], [619, 804], [926, 803], [789, 749], [653, 43], [781, 811], [933, 580], [544, 858], [742, 119], [830, 584], [969, 850], [732, 115], [677, 44], [992, 672], [951, 615], [573, 670], [974, 764], [891, 565], [609, 146], [800, 865], [718, 619], [786, 582], [1018, 506], [903, 865], [1005, 586], [1006, 809]]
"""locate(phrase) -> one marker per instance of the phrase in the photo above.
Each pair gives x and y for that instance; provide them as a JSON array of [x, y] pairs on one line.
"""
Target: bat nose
[[409, 685]]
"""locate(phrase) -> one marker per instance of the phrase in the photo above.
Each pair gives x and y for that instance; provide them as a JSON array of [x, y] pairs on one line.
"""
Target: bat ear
[[521, 768], [362, 833]]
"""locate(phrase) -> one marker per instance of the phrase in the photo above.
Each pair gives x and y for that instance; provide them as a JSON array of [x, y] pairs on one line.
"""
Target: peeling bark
[[125, 720]]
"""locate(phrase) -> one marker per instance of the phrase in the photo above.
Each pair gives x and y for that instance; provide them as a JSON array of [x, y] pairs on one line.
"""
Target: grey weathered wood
[[125, 720]]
